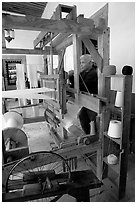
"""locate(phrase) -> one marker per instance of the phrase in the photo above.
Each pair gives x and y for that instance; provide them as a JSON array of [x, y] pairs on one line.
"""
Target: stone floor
[[39, 139]]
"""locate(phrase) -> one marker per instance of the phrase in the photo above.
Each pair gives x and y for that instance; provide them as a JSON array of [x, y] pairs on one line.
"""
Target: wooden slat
[[39, 24], [29, 51], [90, 102]]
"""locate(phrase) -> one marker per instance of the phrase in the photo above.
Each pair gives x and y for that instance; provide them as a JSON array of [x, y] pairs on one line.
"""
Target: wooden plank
[[28, 91], [34, 119], [28, 51], [90, 102], [39, 24]]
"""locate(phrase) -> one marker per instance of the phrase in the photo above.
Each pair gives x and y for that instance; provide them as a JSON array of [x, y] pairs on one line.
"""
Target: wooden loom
[[83, 34]]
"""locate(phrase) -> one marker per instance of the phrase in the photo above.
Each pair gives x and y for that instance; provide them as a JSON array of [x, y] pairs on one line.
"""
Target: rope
[[84, 84]]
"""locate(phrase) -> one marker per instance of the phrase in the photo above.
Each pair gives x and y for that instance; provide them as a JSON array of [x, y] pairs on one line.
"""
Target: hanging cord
[[84, 84]]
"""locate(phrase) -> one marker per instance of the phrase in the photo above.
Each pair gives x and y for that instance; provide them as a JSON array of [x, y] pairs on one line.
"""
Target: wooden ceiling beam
[[25, 8], [39, 24], [28, 51]]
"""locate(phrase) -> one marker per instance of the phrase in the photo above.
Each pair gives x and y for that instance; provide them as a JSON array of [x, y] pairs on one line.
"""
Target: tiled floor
[[39, 139]]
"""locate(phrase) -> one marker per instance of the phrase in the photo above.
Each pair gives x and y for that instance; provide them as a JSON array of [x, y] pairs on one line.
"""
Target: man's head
[[86, 62]]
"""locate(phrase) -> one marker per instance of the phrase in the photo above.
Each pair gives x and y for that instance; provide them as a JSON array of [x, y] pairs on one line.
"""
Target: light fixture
[[9, 34]]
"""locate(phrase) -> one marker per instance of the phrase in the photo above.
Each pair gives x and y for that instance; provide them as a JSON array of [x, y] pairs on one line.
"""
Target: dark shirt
[[90, 79]]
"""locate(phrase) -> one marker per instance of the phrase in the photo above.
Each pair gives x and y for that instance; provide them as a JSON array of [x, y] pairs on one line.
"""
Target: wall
[[122, 35]]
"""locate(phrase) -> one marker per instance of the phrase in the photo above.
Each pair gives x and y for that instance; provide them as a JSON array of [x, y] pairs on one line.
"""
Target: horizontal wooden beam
[[90, 102], [28, 51], [69, 41], [41, 24], [56, 16]]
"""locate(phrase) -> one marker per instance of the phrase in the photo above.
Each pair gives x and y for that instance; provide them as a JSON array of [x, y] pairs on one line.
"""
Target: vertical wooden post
[[45, 64], [103, 49], [51, 55], [76, 56], [62, 90], [126, 116], [20, 83]]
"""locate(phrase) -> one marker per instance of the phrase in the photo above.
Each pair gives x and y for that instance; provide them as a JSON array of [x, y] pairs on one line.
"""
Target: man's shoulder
[[92, 72]]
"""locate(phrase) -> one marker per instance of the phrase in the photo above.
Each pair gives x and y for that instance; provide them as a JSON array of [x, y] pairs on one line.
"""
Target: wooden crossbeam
[[56, 16], [39, 24], [29, 51], [42, 34]]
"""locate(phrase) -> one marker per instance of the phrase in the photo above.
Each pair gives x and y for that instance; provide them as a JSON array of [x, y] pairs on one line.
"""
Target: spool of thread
[[115, 129], [119, 99], [92, 128], [127, 70], [11, 123], [3, 123], [12, 119], [112, 159]]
